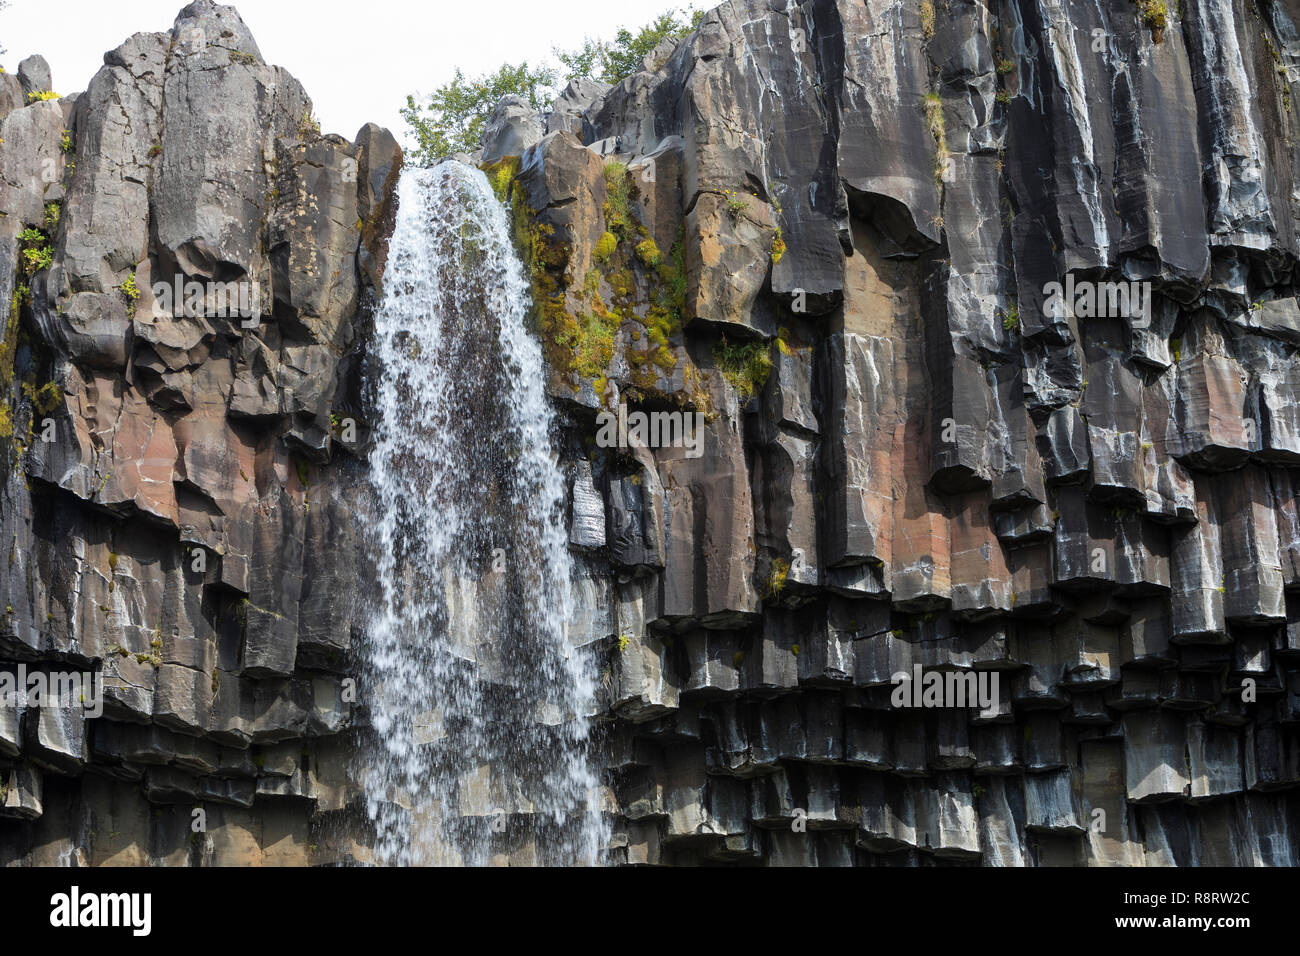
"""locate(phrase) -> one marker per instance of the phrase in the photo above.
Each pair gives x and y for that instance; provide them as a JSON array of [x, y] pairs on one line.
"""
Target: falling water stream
[[477, 700]]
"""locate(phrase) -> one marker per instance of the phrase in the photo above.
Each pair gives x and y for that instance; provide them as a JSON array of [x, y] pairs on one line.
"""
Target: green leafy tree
[[453, 117], [613, 62]]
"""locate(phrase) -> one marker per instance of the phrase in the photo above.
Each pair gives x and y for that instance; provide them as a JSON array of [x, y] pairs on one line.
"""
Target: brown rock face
[[182, 401]]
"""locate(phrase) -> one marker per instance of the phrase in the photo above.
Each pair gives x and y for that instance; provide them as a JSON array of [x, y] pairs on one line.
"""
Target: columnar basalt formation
[[181, 488], [833, 228], [850, 236]]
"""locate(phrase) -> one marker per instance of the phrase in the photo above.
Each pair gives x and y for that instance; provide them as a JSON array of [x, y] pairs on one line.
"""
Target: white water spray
[[477, 700]]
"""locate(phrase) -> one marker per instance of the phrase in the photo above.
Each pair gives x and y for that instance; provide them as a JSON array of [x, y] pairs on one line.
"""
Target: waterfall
[[477, 701]]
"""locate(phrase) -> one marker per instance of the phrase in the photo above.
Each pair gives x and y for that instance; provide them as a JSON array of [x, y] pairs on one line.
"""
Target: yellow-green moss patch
[[605, 247], [746, 367], [649, 253]]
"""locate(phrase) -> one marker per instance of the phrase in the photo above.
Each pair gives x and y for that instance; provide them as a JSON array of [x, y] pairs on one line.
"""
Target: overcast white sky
[[357, 60]]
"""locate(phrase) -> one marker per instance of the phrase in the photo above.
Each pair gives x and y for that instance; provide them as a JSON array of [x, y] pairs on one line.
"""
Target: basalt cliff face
[[180, 502], [832, 229]]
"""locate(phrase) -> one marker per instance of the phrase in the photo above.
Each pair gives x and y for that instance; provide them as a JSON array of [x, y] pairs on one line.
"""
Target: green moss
[[746, 367], [579, 343], [501, 174], [605, 247], [592, 342], [623, 283], [8, 350], [1155, 15], [44, 399], [649, 253], [620, 191], [567, 341], [52, 211], [783, 336], [672, 276]]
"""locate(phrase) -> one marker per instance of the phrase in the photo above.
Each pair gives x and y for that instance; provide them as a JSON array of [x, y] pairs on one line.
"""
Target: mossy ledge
[[627, 280]]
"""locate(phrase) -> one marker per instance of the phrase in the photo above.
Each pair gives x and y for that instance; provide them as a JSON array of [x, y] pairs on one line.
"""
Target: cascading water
[[477, 700]]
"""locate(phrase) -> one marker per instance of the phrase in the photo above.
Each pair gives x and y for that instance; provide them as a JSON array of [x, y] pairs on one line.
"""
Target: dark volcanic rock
[[989, 317], [947, 463], [182, 517]]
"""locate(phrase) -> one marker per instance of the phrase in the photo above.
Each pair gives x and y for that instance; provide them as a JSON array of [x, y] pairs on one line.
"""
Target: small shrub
[[776, 577], [128, 288], [745, 367], [932, 107], [778, 247], [1011, 317], [37, 95], [1155, 15], [308, 125], [736, 205], [37, 254]]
